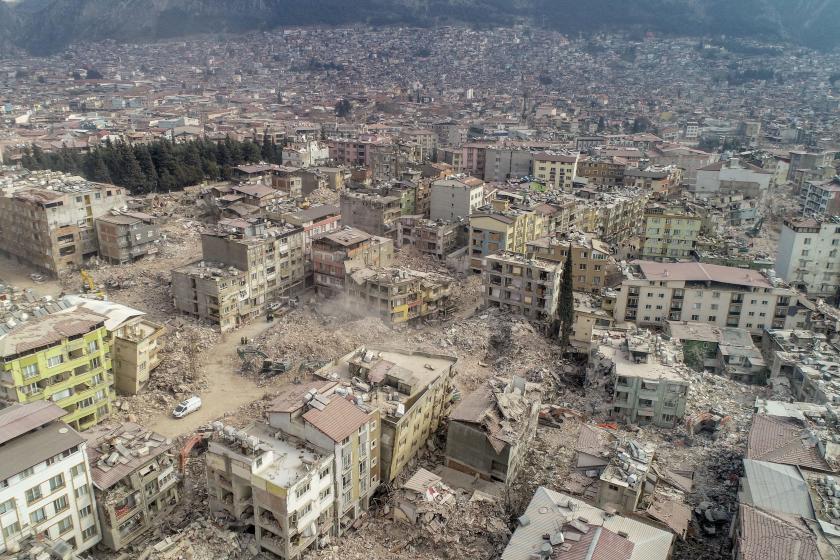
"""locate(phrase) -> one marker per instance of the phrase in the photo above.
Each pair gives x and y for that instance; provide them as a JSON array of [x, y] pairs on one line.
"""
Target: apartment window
[[29, 371], [695, 317], [8, 505], [55, 360], [82, 491], [806, 241], [325, 472], [89, 533], [27, 473], [61, 504], [714, 306], [56, 482], [696, 305], [712, 318], [34, 494], [92, 346], [302, 490], [805, 252], [325, 493], [749, 325], [11, 530], [38, 515], [85, 511]]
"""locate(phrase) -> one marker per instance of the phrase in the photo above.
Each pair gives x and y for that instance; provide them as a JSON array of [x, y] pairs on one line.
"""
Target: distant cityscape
[[429, 293]]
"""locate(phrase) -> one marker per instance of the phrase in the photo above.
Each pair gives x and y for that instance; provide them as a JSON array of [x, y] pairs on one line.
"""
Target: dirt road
[[227, 389], [17, 274]]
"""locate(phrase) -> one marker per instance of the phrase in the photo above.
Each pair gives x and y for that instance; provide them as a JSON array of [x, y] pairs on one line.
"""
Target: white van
[[187, 407]]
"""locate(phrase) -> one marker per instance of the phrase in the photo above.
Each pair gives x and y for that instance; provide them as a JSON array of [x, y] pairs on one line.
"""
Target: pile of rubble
[[323, 195], [427, 520], [179, 375], [202, 540]]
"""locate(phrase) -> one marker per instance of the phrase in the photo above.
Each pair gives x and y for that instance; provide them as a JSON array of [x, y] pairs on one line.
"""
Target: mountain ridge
[[47, 26]]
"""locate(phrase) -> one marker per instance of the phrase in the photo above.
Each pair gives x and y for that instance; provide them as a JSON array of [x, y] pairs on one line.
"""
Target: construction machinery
[[89, 286], [269, 368]]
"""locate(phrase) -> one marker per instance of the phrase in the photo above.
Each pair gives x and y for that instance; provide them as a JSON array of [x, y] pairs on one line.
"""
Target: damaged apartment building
[[728, 351], [245, 266], [412, 391], [560, 527], [803, 364], [47, 219], [491, 429], [643, 373], [134, 480], [438, 239], [337, 253], [400, 295], [529, 287], [593, 265], [125, 237], [281, 489], [302, 476], [63, 357]]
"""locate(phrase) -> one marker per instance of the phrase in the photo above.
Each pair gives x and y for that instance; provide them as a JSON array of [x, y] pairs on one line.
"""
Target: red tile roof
[[769, 537], [338, 420], [782, 440]]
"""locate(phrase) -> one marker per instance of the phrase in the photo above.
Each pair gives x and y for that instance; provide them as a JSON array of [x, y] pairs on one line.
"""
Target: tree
[[343, 108], [566, 303]]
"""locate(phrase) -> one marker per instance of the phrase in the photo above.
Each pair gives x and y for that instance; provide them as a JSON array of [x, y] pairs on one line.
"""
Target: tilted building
[[47, 221]]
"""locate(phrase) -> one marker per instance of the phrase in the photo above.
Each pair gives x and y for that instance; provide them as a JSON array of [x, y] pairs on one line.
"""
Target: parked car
[[187, 407]]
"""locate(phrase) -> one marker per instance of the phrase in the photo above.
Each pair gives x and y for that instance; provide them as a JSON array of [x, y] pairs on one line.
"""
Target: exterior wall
[[135, 355], [76, 489], [642, 401], [506, 163], [809, 257], [400, 300], [82, 384], [646, 304], [593, 269], [670, 236], [489, 234], [330, 261], [212, 298], [438, 240], [452, 200], [124, 243], [149, 491], [56, 234], [468, 451], [528, 287], [558, 174], [373, 214]]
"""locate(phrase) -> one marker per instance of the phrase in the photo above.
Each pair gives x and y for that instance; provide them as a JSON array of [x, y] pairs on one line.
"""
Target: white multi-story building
[[655, 293], [455, 198], [809, 255], [733, 176], [45, 480], [557, 169], [820, 198]]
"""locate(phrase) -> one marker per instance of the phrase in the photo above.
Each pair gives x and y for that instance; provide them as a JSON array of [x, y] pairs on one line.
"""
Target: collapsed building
[[726, 351], [804, 363], [491, 429], [400, 295], [245, 266], [134, 480], [645, 375], [560, 527], [411, 389]]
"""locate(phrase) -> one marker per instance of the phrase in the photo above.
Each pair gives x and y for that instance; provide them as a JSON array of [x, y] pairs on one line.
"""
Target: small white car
[[187, 407]]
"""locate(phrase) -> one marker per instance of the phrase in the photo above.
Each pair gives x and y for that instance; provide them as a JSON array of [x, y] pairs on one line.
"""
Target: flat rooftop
[[291, 462], [46, 331]]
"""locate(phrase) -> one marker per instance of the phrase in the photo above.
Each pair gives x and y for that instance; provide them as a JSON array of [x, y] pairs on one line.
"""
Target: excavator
[[269, 368], [89, 286]]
